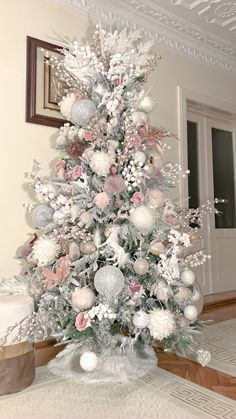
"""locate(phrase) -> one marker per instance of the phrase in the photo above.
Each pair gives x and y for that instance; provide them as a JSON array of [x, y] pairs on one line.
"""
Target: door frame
[[184, 95]]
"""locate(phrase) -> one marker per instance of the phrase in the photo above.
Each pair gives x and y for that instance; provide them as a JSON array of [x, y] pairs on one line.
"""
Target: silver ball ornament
[[140, 319], [190, 312], [141, 266], [188, 277], [42, 215], [82, 111], [109, 281], [88, 361]]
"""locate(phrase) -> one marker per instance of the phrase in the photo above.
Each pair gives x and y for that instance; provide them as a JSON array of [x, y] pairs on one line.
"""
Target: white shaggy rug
[[220, 340], [157, 395]]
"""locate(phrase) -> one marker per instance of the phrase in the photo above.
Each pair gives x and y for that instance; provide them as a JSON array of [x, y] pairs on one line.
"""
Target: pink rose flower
[[82, 321], [134, 286], [135, 140], [170, 219], [76, 172], [79, 95], [60, 165], [138, 198], [60, 168], [88, 136]]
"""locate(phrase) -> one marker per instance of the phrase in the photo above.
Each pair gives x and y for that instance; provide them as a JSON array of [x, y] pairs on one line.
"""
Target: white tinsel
[[161, 323], [66, 105], [45, 250], [100, 163]]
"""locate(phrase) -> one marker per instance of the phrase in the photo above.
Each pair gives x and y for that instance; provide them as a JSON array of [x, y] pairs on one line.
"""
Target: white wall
[[21, 142]]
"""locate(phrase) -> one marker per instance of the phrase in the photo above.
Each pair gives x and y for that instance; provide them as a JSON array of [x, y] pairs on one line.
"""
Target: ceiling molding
[[202, 29]]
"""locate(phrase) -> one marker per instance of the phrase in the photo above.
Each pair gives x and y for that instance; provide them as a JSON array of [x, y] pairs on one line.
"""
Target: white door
[[212, 163]]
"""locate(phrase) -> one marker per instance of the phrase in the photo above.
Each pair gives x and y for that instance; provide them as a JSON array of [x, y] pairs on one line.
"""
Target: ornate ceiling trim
[[169, 30]]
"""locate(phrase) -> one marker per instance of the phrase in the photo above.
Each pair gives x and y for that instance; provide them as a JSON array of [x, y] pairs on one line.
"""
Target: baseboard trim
[[219, 300]]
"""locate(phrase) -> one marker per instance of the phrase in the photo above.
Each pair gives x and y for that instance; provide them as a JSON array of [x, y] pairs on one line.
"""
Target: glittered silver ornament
[[140, 319], [82, 111], [109, 281], [203, 357], [42, 215]]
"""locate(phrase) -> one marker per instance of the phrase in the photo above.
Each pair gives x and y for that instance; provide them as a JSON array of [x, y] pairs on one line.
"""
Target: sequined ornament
[[82, 111]]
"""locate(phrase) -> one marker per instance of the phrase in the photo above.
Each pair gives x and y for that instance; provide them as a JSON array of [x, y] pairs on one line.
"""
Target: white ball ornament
[[88, 361], [190, 312], [82, 111], [141, 266], [140, 319], [143, 219], [182, 295], [82, 298], [139, 157], [139, 118], [147, 104], [188, 277], [109, 281]]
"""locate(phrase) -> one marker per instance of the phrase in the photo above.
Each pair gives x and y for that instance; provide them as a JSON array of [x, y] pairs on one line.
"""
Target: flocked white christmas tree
[[110, 265]]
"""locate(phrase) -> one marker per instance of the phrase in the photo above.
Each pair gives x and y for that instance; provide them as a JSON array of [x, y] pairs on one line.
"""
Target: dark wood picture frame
[[32, 113]]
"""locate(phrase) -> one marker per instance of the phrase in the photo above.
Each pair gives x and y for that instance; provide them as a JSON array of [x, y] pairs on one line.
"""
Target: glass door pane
[[193, 166], [223, 177]]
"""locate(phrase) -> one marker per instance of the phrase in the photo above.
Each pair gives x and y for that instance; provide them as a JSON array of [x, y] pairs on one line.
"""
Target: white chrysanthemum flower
[[161, 323], [45, 250], [66, 105], [100, 163]]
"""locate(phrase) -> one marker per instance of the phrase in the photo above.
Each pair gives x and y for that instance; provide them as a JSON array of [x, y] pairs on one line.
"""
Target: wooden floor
[[218, 307]]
